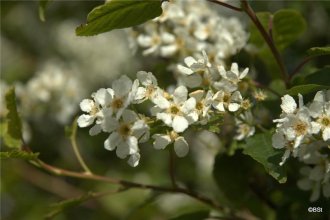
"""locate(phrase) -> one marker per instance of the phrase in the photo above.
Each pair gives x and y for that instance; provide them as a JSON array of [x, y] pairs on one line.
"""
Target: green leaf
[[42, 7], [66, 204], [288, 25], [319, 77], [260, 148], [193, 216], [318, 51], [12, 128], [305, 89], [18, 154], [119, 14]]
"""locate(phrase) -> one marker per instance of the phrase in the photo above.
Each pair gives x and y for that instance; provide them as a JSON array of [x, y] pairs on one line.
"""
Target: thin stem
[[171, 167], [76, 149], [259, 85], [300, 65], [249, 11], [219, 2]]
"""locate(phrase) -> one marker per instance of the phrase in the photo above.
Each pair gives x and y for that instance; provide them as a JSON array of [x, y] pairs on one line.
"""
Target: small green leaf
[[288, 25], [119, 14], [42, 7], [204, 214], [260, 148], [12, 128], [319, 77], [18, 154], [318, 51], [305, 89], [66, 204]]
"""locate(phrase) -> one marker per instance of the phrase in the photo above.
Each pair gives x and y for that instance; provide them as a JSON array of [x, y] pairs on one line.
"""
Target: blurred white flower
[[54, 91], [193, 27], [320, 110], [244, 124]]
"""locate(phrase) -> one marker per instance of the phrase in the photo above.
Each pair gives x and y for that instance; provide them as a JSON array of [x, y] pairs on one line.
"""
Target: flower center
[[173, 135], [124, 130], [199, 106], [150, 91], [246, 104], [174, 110], [94, 110], [226, 97], [117, 103], [325, 121], [300, 128]]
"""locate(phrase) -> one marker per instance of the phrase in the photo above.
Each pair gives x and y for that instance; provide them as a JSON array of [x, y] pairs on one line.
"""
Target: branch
[[249, 11], [128, 184], [219, 2], [300, 65]]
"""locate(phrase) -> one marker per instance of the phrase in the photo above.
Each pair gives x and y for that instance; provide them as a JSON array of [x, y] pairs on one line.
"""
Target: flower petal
[[112, 141], [179, 123], [181, 147], [85, 120], [134, 159], [288, 104], [122, 86], [161, 141], [180, 95], [87, 105]]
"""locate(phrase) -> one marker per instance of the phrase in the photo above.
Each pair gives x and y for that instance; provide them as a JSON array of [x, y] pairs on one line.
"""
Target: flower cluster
[[54, 92], [304, 131], [185, 29], [113, 110]]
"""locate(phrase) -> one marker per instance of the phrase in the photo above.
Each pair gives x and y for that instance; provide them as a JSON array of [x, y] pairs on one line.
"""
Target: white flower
[[171, 11], [294, 128], [244, 124], [149, 88], [196, 72], [106, 103], [203, 104], [125, 135], [231, 78], [320, 110], [181, 147], [94, 107], [121, 95], [315, 179], [179, 112], [224, 100], [162, 43]]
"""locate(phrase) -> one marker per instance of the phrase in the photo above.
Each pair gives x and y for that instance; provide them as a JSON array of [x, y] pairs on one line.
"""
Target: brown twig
[[249, 11], [219, 2], [128, 184], [299, 67]]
